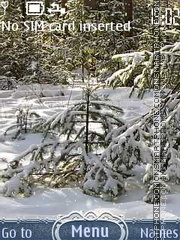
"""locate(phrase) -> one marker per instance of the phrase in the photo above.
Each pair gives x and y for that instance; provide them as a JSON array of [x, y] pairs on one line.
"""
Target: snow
[[118, 73], [52, 202], [176, 47], [124, 55], [47, 101]]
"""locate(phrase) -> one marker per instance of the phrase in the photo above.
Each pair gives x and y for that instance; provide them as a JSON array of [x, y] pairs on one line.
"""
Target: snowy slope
[[46, 101]]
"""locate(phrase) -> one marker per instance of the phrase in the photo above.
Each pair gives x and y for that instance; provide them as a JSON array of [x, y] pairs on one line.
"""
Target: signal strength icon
[[4, 5]]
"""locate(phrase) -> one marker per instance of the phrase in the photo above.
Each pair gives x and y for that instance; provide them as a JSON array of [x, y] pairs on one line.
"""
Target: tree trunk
[[93, 4], [128, 10], [63, 4], [47, 5], [128, 5], [23, 9]]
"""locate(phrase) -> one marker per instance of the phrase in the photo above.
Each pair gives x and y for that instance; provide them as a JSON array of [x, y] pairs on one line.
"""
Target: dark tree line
[[22, 48]]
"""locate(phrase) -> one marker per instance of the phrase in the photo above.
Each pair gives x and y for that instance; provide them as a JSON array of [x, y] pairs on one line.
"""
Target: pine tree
[[50, 163], [132, 145], [138, 70]]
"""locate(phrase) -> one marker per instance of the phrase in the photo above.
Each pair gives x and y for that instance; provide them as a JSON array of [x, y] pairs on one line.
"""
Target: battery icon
[[34, 8]]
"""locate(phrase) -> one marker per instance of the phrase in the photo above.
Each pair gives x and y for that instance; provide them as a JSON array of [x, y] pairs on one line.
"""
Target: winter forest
[[77, 109]]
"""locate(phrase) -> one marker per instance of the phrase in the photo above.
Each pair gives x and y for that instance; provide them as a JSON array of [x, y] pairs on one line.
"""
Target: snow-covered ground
[[46, 101]]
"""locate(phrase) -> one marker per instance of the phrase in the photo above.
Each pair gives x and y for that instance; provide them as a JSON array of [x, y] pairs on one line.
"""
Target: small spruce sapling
[[65, 160], [25, 119]]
